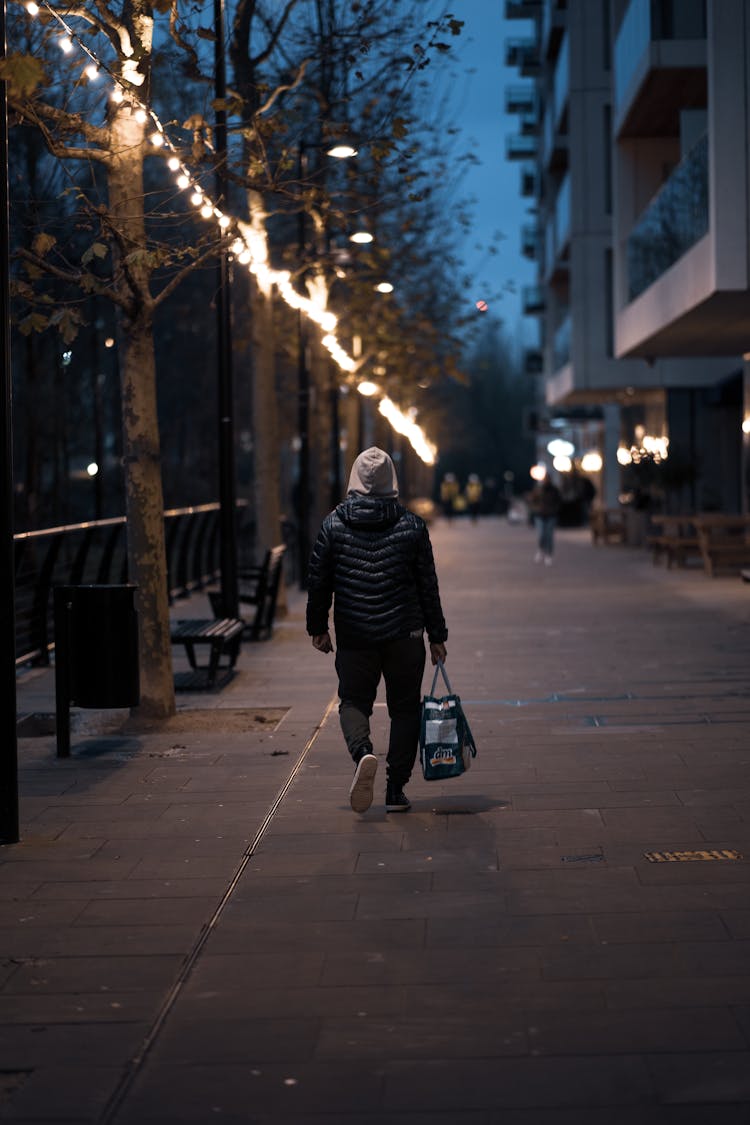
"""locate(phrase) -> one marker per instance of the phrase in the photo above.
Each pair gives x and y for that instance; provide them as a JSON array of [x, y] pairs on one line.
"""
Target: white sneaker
[[360, 793], [538, 556], [548, 560]]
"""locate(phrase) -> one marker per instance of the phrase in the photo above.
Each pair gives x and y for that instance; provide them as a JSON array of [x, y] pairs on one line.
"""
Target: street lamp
[[339, 152], [8, 738]]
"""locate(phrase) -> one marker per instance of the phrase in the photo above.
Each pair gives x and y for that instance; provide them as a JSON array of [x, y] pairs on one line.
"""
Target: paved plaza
[[195, 927]]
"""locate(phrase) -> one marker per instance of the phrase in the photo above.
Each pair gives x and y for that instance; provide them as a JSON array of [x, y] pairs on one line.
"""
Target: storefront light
[[592, 462]]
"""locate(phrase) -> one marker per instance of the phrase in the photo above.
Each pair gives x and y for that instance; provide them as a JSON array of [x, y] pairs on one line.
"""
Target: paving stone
[[44, 976], [711, 1077], [349, 977]]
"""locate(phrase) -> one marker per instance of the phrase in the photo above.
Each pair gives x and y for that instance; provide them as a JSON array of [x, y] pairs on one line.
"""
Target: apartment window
[[607, 150], [609, 308]]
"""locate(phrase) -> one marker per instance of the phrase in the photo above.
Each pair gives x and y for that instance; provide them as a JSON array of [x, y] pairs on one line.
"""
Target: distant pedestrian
[[544, 503], [448, 494], [373, 559], [474, 496]]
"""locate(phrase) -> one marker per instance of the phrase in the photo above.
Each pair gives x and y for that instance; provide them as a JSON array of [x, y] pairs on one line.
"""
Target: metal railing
[[96, 552]]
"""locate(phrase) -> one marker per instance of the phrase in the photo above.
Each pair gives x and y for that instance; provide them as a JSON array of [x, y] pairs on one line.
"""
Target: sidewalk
[[196, 927]]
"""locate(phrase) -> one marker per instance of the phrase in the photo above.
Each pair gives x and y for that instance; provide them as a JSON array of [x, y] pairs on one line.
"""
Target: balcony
[[528, 181], [521, 9], [533, 361], [522, 99], [561, 344], [533, 300], [521, 147], [530, 240], [557, 233], [660, 65], [674, 221], [524, 55]]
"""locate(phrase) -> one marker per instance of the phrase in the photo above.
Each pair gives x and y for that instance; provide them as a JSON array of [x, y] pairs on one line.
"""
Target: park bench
[[259, 587], [607, 525], [676, 539], [222, 635], [724, 541]]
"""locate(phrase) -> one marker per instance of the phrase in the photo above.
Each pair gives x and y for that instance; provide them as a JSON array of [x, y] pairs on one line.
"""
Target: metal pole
[[335, 441], [303, 405], [227, 483], [8, 737]]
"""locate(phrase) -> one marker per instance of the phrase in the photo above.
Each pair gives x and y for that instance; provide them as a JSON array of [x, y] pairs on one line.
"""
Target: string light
[[251, 247]]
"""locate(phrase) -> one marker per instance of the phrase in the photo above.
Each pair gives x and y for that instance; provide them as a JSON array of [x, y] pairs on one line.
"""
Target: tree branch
[[70, 276], [180, 276], [70, 123]]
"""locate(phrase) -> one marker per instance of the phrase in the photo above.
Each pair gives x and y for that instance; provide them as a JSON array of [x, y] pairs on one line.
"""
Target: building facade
[[633, 114]]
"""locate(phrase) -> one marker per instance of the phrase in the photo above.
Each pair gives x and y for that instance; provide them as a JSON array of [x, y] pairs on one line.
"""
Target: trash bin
[[96, 651]]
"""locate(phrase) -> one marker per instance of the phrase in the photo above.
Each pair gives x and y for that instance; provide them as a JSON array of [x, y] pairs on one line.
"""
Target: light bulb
[[32, 8], [141, 116], [384, 287], [196, 198], [183, 181], [361, 236], [66, 44], [91, 71], [207, 211], [224, 222], [173, 163], [157, 139], [117, 95]]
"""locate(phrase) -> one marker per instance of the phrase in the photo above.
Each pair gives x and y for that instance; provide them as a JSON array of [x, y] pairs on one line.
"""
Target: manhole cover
[[597, 857]]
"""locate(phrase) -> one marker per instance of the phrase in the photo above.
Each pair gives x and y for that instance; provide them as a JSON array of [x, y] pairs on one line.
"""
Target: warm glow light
[[562, 464], [367, 388], [558, 447], [252, 249], [592, 462], [624, 456], [92, 469], [538, 472], [746, 425], [405, 424]]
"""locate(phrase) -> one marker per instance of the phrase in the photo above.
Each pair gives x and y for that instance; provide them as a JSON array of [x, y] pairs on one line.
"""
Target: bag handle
[[440, 667]]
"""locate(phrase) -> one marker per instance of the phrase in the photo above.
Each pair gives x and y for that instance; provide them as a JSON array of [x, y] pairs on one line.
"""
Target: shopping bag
[[446, 745]]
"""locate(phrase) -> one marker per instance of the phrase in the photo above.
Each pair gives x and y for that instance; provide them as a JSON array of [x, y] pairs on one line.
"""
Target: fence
[[96, 552]]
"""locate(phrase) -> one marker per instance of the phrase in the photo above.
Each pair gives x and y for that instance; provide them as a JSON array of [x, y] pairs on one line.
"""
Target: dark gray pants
[[401, 663]]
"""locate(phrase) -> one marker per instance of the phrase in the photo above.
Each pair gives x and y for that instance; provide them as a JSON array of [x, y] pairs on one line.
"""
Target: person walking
[[373, 560], [545, 502], [474, 496]]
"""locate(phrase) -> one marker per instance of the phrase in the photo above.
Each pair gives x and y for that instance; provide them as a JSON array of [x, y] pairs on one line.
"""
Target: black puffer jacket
[[376, 558]]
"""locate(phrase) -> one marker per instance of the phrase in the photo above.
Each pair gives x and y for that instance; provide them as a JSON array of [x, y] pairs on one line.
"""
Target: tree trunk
[[147, 562]]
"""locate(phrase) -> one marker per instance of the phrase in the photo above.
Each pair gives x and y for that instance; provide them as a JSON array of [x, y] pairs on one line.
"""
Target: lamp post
[[227, 484], [339, 152], [8, 737]]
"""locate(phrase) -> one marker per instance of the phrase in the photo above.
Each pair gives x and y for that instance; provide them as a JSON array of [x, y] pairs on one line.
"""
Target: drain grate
[[693, 856], [597, 857]]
